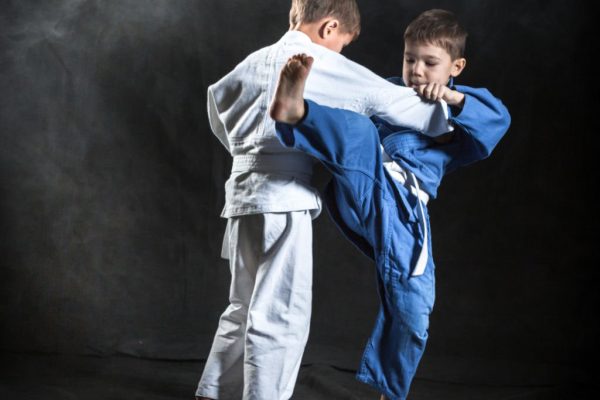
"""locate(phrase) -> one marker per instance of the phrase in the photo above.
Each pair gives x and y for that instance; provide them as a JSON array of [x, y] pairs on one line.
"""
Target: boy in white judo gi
[[379, 199], [261, 336]]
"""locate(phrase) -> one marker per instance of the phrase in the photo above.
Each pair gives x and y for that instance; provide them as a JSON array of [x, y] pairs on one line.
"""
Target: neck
[[311, 30]]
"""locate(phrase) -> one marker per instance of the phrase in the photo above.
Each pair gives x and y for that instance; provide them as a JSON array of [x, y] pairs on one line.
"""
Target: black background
[[111, 184]]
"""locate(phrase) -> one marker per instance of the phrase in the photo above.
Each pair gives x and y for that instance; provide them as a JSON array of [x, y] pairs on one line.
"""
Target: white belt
[[400, 175], [424, 255], [283, 162]]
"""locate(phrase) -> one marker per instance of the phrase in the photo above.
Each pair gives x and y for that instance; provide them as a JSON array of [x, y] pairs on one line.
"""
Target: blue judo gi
[[380, 215]]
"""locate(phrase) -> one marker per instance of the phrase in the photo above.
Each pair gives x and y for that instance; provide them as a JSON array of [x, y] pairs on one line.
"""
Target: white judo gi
[[261, 336]]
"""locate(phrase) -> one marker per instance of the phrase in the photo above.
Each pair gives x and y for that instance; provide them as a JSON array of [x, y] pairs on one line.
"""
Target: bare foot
[[288, 103]]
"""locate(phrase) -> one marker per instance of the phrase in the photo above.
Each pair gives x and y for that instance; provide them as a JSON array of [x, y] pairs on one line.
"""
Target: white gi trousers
[[261, 336]]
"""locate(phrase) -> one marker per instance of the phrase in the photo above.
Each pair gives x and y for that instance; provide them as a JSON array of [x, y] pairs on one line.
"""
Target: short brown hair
[[307, 11], [439, 27]]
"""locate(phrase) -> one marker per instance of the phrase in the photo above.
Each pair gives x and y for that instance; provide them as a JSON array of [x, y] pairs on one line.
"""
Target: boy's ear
[[457, 67], [328, 26]]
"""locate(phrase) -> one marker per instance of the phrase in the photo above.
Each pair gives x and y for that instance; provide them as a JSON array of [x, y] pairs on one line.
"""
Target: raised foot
[[288, 102]]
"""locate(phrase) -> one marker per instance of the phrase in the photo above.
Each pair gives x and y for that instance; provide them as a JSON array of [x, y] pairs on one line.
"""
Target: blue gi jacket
[[479, 126], [379, 214]]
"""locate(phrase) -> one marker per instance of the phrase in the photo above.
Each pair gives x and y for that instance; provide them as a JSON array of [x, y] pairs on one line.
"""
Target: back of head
[[345, 11], [438, 27]]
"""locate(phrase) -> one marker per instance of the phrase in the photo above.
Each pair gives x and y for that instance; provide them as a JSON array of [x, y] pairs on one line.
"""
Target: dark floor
[[53, 377]]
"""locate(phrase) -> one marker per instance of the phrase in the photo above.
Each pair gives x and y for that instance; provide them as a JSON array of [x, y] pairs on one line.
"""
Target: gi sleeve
[[482, 122], [216, 124], [227, 102]]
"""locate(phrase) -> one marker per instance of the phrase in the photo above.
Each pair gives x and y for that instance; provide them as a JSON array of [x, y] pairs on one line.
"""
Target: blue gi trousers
[[380, 216]]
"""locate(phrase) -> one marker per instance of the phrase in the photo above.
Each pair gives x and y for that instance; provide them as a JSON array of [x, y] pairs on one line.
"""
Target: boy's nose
[[417, 69]]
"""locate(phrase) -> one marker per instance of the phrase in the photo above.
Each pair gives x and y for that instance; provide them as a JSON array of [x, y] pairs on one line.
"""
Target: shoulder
[[396, 80], [259, 54]]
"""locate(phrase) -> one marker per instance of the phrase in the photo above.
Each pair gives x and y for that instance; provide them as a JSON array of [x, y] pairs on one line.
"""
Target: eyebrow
[[427, 57]]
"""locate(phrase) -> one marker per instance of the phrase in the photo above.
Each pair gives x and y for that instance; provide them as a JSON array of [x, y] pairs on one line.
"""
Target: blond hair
[[307, 11]]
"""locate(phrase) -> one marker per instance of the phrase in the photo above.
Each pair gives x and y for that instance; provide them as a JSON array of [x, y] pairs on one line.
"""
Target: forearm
[[483, 118]]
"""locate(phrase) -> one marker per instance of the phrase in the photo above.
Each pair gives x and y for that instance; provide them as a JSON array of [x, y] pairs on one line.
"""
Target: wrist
[[457, 99]]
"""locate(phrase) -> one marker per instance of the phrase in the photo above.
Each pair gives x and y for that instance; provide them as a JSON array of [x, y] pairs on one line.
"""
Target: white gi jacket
[[266, 177]]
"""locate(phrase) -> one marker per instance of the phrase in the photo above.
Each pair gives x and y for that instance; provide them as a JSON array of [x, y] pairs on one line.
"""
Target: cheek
[[436, 75]]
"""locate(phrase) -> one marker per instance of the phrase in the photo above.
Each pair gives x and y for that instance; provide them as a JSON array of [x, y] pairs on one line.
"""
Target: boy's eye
[[409, 60], [430, 64]]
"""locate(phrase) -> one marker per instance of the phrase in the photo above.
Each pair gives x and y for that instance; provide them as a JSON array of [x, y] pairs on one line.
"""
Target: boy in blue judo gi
[[378, 198]]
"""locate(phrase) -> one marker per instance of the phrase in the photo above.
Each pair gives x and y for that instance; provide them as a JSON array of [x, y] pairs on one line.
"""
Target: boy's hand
[[435, 91]]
